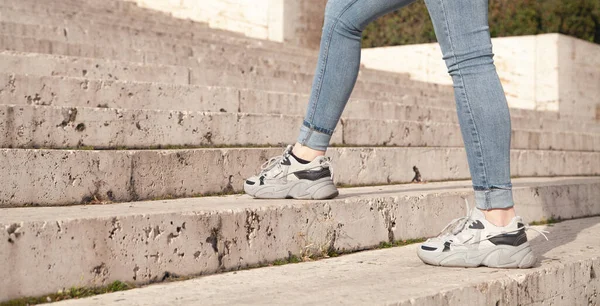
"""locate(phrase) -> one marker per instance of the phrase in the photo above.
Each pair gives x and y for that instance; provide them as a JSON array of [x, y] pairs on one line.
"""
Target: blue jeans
[[461, 27]]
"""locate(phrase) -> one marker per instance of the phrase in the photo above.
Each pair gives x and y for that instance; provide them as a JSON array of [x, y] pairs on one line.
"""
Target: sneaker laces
[[457, 225], [277, 160], [329, 165], [274, 161]]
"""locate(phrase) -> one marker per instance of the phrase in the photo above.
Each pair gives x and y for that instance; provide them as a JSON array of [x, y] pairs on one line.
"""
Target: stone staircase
[[395, 277], [119, 126]]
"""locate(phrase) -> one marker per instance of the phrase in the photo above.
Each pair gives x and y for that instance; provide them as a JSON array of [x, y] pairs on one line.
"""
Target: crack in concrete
[[116, 226], [135, 271], [252, 225], [100, 271], [133, 195]]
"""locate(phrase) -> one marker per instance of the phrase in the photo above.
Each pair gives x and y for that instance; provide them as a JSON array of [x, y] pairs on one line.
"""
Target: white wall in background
[[543, 72]]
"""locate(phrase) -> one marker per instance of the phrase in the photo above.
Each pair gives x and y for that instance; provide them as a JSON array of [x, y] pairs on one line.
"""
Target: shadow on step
[[560, 234], [405, 188]]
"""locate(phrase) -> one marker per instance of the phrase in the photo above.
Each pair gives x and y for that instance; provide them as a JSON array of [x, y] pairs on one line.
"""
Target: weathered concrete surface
[[71, 33], [60, 177], [56, 28], [275, 57], [25, 126], [75, 47], [121, 12], [362, 132], [54, 24], [56, 16], [63, 127], [20, 63], [73, 12], [73, 91], [81, 92], [567, 275], [28, 44], [224, 73], [45, 249], [181, 51], [211, 70], [215, 54]]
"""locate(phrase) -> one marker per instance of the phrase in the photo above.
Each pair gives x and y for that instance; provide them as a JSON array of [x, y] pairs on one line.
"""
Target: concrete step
[[278, 80], [118, 8], [567, 275], [246, 59], [229, 74], [28, 44], [91, 68], [62, 91], [76, 92], [84, 176], [141, 242], [291, 59], [125, 13], [296, 57], [25, 126], [115, 7], [219, 72], [281, 54], [78, 19], [213, 55]]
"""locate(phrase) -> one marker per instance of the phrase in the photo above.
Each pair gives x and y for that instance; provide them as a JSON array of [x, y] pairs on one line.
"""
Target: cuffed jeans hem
[[494, 198], [313, 139]]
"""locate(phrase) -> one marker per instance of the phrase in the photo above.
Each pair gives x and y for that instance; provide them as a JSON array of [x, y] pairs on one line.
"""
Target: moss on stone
[[72, 293]]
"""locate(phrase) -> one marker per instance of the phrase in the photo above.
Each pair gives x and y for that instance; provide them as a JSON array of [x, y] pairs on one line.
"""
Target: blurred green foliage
[[411, 25]]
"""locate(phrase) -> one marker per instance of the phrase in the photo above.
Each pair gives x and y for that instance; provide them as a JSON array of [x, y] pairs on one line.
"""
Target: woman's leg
[[462, 30], [492, 235], [303, 172], [337, 69]]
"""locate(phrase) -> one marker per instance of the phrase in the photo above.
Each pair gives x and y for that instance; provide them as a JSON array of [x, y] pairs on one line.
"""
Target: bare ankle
[[500, 217], [306, 153]]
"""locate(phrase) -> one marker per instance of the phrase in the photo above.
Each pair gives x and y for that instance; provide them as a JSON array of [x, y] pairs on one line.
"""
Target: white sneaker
[[472, 241], [284, 177]]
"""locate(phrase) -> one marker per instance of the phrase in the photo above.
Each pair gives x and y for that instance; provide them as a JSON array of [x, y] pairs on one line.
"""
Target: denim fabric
[[462, 30]]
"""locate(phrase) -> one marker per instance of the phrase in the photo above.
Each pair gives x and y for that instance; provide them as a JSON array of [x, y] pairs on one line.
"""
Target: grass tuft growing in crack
[[332, 253], [549, 221], [78, 292], [292, 259], [400, 243], [68, 294]]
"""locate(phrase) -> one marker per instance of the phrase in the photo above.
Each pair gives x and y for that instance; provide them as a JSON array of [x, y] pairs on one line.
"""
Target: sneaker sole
[[501, 256], [303, 190]]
